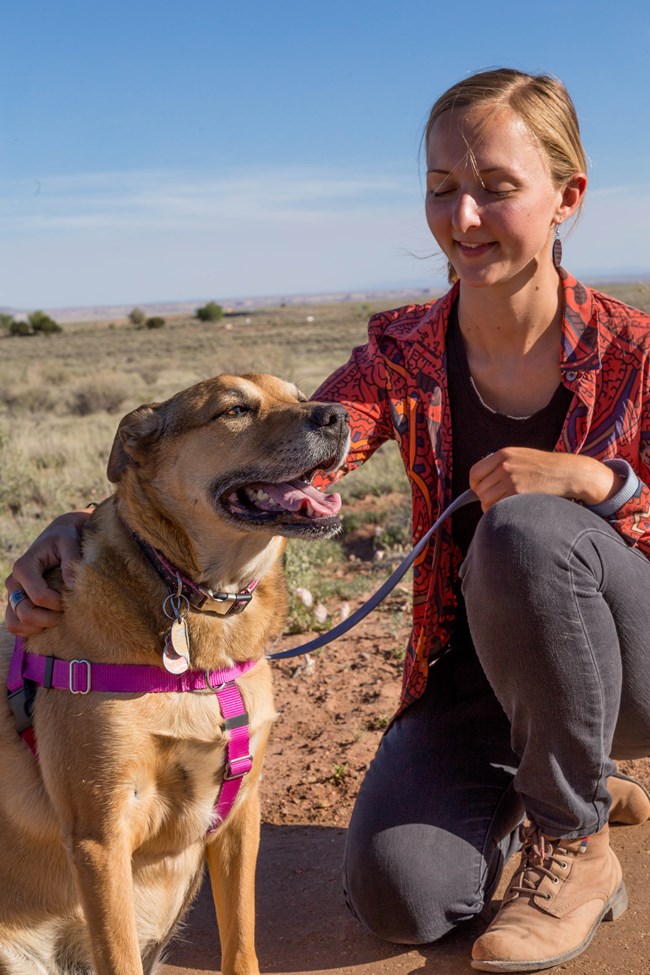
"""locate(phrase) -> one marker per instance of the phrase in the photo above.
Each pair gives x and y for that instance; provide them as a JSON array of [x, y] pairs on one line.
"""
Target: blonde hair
[[542, 102]]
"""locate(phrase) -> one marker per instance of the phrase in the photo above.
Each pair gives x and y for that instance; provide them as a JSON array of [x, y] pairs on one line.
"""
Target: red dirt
[[333, 707]]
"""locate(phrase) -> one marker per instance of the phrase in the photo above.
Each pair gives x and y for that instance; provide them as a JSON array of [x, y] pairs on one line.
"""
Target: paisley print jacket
[[395, 387]]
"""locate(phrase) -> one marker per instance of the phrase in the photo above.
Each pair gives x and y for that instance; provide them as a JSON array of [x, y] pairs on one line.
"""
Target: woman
[[527, 669]]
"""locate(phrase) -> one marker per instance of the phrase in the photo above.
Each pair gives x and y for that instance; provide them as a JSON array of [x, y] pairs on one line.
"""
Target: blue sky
[[154, 151]]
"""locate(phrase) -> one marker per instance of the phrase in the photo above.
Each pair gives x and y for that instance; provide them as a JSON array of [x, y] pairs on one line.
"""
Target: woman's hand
[[520, 470], [59, 544]]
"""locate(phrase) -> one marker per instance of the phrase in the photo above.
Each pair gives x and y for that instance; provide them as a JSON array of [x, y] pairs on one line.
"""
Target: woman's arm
[[520, 470], [360, 386], [612, 488]]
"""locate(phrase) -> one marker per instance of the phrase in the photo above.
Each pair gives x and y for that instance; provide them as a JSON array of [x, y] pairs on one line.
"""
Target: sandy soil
[[333, 708]]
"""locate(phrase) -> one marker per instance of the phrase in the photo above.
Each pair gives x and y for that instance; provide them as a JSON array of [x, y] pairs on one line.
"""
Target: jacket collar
[[580, 349], [580, 339]]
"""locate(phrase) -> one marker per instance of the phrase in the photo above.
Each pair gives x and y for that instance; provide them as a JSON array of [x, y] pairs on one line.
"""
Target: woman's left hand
[[520, 470]]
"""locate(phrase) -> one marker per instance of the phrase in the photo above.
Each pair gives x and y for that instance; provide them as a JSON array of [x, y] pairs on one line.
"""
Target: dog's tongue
[[293, 495]]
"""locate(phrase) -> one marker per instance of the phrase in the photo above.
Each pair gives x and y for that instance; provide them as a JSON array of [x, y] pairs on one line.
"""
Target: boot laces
[[538, 855]]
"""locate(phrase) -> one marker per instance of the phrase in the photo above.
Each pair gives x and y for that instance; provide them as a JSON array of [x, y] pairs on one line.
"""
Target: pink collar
[[82, 677]]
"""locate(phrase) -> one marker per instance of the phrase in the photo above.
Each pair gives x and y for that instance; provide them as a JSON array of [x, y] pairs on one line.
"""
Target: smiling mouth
[[475, 248], [293, 502]]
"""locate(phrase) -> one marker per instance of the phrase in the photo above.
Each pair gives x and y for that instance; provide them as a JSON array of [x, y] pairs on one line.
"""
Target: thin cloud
[[135, 201]]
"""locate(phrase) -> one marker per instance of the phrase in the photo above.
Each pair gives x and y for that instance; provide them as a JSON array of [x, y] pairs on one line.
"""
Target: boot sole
[[612, 910]]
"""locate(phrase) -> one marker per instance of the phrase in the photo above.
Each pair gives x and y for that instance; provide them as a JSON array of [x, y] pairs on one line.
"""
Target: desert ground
[[61, 397]]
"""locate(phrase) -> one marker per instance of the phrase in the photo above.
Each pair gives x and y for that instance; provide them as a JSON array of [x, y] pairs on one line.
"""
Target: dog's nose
[[328, 415]]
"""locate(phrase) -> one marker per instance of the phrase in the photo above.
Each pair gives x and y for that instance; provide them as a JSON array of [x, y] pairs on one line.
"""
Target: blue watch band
[[628, 489]]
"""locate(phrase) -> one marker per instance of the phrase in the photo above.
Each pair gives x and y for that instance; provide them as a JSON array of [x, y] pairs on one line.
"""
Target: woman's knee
[[411, 888], [520, 544]]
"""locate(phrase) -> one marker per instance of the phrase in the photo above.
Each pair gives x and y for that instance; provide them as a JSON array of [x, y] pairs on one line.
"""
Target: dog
[[104, 835]]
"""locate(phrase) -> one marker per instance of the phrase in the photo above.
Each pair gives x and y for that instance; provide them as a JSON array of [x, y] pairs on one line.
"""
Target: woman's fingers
[[32, 619], [40, 608]]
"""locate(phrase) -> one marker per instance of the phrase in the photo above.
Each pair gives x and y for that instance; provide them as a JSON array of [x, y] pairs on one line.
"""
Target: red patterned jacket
[[396, 387]]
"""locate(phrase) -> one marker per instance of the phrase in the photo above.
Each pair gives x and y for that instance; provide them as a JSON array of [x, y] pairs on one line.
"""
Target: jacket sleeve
[[628, 511], [361, 386]]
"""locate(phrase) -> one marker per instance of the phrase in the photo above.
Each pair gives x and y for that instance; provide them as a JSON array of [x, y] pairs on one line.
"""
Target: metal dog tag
[[176, 655]]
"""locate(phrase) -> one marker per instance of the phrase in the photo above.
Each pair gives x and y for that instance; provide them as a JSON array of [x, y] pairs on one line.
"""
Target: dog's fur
[[102, 841]]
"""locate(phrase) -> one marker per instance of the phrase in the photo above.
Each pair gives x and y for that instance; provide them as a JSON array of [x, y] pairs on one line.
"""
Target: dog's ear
[[138, 429]]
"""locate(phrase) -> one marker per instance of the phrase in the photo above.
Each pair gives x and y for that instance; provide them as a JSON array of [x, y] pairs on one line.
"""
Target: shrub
[[6, 321], [137, 316], [155, 322], [20, 328], [42, 323], [211, 312], [102, 391]]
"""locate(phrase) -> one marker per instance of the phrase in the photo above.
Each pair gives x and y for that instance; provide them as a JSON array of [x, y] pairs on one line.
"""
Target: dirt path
[[305, 929]]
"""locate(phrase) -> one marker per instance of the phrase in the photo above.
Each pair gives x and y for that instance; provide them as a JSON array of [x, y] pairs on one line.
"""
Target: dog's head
[[244, 448]]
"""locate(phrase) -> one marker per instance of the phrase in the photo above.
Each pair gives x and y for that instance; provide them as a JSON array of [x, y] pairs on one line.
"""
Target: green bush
[[43, 324], [211, 312], [6, 321], [20, 328], [137, 316], [155, 322]]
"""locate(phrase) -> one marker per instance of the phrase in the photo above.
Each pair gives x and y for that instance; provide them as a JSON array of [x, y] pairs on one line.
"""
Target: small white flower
[[379, 554], [344, 611], [304, 596], [320, 612]]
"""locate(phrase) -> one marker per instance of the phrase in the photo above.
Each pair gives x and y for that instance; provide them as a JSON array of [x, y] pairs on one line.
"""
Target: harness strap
[[83, 676], [29, 670], [239, 759]]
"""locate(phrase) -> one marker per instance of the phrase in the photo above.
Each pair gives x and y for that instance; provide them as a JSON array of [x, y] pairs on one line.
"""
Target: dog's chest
[[174, 785]]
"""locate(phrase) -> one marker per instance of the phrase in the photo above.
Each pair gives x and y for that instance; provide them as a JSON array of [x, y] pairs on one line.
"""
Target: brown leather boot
[[630, 801], [554, 903]]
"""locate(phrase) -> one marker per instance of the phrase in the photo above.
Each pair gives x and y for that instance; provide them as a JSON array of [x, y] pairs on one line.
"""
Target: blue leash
[[359, 614]]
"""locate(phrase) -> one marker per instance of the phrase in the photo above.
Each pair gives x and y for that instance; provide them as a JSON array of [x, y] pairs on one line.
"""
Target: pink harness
[[82, 676]]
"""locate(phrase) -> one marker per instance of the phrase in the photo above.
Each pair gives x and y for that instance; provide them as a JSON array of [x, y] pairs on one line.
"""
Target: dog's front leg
[[104, 875], [232, 856]]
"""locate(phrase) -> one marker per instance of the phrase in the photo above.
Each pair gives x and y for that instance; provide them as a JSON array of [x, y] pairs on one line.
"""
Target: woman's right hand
[[59, 544]]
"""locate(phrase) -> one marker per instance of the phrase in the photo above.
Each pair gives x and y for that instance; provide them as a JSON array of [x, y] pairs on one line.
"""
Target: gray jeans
[[521, 717]]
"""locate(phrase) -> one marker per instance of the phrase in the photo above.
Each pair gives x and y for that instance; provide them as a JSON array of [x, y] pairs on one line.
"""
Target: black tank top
[[478, 431]]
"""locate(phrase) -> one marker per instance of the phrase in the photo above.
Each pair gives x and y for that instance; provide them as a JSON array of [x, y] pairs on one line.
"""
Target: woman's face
[[491, 203]]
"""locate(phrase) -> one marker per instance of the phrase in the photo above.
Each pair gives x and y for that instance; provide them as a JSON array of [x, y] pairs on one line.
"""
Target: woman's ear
[[572, 196]]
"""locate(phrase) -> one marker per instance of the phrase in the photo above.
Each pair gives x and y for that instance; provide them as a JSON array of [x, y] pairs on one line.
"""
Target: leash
[[467, 497]]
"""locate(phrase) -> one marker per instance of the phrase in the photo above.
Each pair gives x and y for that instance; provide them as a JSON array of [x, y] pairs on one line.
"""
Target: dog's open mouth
[[291, 502]]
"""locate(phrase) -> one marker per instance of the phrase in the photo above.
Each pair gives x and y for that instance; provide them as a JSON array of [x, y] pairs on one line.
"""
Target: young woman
[[527, 671]]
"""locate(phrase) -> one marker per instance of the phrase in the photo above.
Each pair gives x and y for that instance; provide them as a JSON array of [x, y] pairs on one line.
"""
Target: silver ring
[[17, 597]]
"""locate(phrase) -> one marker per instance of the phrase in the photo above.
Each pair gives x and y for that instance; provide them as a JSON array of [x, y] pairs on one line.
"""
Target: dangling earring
[[557, 247]]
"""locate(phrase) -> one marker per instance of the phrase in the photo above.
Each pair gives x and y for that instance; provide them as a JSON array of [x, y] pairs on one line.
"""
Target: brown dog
[[102, 840]]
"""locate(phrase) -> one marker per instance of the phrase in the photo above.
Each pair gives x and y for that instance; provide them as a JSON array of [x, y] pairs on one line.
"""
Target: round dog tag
[[176, 654], [180, 637], [173, 662]]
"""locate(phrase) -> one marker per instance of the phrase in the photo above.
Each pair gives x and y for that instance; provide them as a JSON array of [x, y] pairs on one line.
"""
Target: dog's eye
[[236, 411]]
